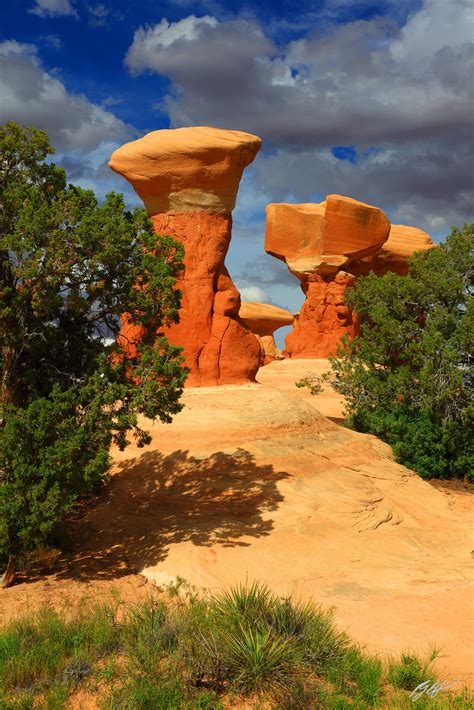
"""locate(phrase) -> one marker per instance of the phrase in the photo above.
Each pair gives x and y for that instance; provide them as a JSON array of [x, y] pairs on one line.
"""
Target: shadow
[[338, 420], [155, 501]]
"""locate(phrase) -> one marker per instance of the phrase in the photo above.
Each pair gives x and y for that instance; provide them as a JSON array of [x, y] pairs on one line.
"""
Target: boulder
[[263, 319], [188, 180]]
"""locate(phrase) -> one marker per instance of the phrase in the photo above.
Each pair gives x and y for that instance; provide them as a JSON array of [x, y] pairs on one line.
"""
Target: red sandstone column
[[188, 180]]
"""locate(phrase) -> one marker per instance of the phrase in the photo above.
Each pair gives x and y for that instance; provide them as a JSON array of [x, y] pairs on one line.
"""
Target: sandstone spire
[[188, 180]]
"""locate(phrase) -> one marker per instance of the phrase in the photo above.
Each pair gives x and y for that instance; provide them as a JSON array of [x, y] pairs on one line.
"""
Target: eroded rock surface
[[188, 180], [323, 318], [402, 243], [326, 246], [263, 320], [323, 238]]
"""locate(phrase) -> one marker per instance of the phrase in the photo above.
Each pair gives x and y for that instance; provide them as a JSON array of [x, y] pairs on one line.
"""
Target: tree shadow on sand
[[155, 501]]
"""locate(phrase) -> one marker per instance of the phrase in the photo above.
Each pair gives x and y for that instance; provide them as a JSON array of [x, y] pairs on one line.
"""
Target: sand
[[262, 482]]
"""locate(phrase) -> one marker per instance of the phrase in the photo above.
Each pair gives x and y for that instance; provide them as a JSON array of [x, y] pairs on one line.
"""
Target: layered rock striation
[[263, 320], [326, 246], [188, 179]]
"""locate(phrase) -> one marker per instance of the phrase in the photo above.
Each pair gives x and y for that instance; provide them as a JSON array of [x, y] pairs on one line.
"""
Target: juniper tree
[[409, 377], [69, 267]]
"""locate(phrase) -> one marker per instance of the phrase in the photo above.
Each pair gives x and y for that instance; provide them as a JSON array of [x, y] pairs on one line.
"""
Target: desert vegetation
[[408, 377], [244, 647], [69, 268]]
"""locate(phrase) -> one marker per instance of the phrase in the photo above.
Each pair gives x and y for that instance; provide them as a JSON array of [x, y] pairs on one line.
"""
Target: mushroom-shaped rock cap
[[187, 169], [352, 228], [403, 241], [262, 318], [322, 238]]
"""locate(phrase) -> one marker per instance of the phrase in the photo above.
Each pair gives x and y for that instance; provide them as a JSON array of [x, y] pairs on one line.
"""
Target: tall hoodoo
[[188, 180], [326, 246]]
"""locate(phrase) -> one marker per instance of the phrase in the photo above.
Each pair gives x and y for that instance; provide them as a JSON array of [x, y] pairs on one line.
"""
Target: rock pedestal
[[263, 320], [188, 180], [319, 242], [326, 246], [323, 318]]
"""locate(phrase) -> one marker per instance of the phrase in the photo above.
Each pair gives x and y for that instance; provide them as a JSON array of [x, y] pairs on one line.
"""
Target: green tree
[[69, 267], [409, 377]]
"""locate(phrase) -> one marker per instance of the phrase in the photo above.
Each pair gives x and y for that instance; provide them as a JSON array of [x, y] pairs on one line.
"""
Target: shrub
[[409, 377]]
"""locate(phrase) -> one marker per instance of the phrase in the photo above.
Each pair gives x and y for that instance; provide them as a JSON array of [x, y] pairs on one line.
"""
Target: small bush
[[409, 671]]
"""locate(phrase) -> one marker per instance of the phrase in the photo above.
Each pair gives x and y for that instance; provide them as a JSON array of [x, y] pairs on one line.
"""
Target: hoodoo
[[326, 246], [188, 180], [263, 320]]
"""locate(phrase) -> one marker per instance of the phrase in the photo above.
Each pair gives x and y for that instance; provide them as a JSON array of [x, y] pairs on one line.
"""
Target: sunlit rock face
[[326, 246], [263, 319], [402, 243], [188, 179]]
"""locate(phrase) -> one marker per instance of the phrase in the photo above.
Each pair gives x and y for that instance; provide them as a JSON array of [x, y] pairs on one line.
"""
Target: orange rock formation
[[323, 318], [188, 180], [317, 241], [326, 246], [403, 242], [323, 238], [263, 320]]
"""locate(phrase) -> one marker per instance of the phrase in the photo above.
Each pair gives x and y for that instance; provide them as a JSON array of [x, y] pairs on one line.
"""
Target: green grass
[[179, 651]]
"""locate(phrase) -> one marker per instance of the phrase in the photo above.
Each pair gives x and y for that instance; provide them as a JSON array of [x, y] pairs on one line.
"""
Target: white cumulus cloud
[[150, 43], [254, 293], [402, 96], [53, 8], [33, 97]]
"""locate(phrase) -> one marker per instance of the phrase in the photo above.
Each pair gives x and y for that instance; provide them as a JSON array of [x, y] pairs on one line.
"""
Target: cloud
[[439, 24], [400, 96], [428, 185], [101, 16], [254, 293], [32, 96], [53, 8], [51, 41], [149, 48]]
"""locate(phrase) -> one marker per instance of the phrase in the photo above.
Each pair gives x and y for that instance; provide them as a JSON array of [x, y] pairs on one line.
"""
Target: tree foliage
[[409, 377], [69, 267]]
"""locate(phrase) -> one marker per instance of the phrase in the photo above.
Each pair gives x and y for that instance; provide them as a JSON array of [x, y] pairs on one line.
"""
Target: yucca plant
[[288, 618], [324, 644], [258, 661], [250, 603]]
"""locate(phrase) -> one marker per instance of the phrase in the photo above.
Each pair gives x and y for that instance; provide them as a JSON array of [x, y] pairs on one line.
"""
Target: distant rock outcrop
[[326, 246], [188, 180], [263, 320]]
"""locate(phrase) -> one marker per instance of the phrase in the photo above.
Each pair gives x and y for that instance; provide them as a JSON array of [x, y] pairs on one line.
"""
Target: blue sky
[[368, 98]]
